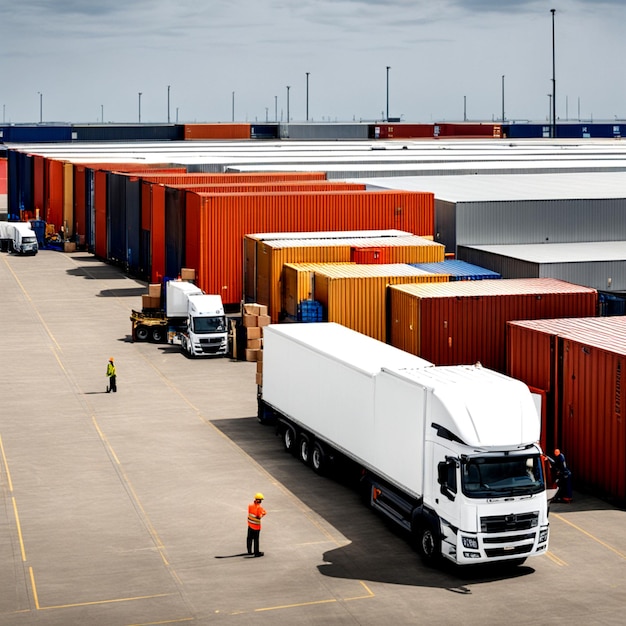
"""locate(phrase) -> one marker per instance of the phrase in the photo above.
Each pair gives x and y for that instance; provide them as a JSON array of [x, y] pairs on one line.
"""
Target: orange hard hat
[[111, 359]]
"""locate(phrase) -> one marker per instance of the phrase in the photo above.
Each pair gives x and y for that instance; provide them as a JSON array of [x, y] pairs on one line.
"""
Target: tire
[[289, 439], [318, 458], [304, 449], [158, 334], [428, 543], [142, 333]]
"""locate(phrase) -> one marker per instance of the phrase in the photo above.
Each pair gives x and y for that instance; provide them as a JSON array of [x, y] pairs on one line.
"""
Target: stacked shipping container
[[464, 322], [579, 365]]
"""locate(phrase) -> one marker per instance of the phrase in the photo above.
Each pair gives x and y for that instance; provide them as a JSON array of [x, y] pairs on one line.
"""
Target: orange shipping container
[[227, 179], [217, 131], [355, 295], [580, 362], [463, 322]]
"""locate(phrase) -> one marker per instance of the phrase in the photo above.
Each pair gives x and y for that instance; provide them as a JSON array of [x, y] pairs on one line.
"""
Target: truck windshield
[[484, 477], [214, 324]]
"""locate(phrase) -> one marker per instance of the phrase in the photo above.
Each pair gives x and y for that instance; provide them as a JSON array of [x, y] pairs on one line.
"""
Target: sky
[[87, 61]]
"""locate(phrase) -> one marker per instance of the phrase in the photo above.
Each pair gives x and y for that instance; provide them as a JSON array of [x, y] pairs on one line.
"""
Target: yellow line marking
[[6, 465], [370, 593], [292, 606], [105, 440], [588, 534], [19, 530], [34, 586], [43, 323], [555, 559], [167, 621]]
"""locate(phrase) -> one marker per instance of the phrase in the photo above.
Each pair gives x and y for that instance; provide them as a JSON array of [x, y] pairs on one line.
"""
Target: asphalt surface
[[130, 508]]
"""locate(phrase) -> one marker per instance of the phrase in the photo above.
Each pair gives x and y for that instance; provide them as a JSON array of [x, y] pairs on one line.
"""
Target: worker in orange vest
[[255, 513]]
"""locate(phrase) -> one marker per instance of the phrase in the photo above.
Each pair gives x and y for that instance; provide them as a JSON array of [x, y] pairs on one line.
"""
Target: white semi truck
[[192, 319], [18, 237], [448, 453]]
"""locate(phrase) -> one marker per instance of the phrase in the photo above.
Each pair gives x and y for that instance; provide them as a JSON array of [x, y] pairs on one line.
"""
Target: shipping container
[[249, 177], [464, 322], [355, 295], [227, 218], [272, 256], [580, 363], [459, 270], [401, 131], [251, 245], [127, 132], [304, 185], [101, 237], [321, 131], [467, 129], [39, 133], [217, 131]]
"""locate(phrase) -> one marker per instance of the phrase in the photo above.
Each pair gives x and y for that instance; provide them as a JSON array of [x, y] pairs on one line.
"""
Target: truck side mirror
[[446, 477]]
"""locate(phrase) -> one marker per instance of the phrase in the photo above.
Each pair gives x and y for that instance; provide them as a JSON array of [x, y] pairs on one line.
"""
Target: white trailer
[[448, 453]]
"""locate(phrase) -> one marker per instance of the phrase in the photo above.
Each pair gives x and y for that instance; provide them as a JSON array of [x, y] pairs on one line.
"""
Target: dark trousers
[[253, 540], [112, 384]]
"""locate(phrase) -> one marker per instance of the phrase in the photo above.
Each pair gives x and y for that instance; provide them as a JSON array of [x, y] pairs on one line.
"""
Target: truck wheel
[[428, 543], [158, 334], [304, 449], [142, 333], [318, 458], [289, 439]]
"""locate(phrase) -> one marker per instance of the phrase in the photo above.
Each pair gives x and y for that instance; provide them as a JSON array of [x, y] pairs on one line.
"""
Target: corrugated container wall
[[355, 295], [228, 218], [101, 237], [323, 131], [463, 322], [582, 362], [217, 131], [227, 179]]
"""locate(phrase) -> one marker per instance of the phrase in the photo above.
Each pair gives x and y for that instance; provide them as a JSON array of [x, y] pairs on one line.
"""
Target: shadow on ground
[[377, 550]]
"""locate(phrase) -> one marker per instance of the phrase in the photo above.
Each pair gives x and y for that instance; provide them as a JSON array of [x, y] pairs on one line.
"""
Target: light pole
[[288, 88], [140, 107], [388, 68], [102, 113], [550, 111], [40, 107], [168, 104], [276, 109], [233, 108], [553, 11], [503, 98], [307, 96]]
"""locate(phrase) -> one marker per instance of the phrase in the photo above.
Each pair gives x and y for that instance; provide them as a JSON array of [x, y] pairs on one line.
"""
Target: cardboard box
[[148, 302], [188, 273], [253, 332], [69, 246], [250, 320], [259, 363], [253, 344], [259, 378], [154, 290], [251, 355], [251, 308], [263, 320], [259, 356]]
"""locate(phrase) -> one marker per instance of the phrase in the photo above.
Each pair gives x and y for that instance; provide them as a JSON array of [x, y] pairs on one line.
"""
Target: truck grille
[[495, 552], [509, 523], [509, 539]]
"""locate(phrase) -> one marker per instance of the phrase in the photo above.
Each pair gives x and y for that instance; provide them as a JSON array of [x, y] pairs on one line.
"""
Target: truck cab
[[206, 331]]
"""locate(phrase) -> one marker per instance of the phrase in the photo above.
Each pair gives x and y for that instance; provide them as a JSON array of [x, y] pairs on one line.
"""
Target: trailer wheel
[[158, 334], [428, 543], [142, 333], [289, 439], [304, 449], [318, 458]]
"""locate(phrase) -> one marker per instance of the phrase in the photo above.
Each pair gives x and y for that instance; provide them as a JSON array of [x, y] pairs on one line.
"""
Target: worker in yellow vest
[[111, 376]]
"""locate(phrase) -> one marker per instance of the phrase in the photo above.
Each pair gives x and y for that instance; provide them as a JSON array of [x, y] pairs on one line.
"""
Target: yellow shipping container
[[271, 256], [355, 295]]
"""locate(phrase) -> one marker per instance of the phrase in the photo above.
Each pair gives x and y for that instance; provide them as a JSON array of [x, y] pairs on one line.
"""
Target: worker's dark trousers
[[112, 383], [253, 540]]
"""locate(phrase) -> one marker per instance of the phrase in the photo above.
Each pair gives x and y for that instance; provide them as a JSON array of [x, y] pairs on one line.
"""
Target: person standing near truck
[[255, 513], [112, 376], [563, 476]]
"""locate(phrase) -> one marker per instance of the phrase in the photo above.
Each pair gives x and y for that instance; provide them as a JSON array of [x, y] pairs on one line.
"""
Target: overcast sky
[[446, 59]]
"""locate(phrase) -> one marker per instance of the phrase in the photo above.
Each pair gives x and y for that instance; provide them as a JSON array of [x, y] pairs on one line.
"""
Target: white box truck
[[18, 237], [192, 319], [448, 453]]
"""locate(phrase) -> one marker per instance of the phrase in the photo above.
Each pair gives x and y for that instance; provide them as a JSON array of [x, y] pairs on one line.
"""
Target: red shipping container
[[100, 209], [587, 359], [53, 201], [218, 131], [463, 322], [216, 225], [3, 176], [250, 177], [402, 131]]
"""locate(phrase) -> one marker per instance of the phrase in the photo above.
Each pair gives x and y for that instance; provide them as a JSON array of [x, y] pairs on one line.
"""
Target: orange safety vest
[[255, 513]]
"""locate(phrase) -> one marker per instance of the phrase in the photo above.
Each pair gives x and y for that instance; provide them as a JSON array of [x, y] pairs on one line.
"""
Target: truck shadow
[[378, 551]]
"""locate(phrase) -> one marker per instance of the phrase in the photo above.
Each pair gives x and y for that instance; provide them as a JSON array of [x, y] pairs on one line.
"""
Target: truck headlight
[[470, 542], [543, 536]]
